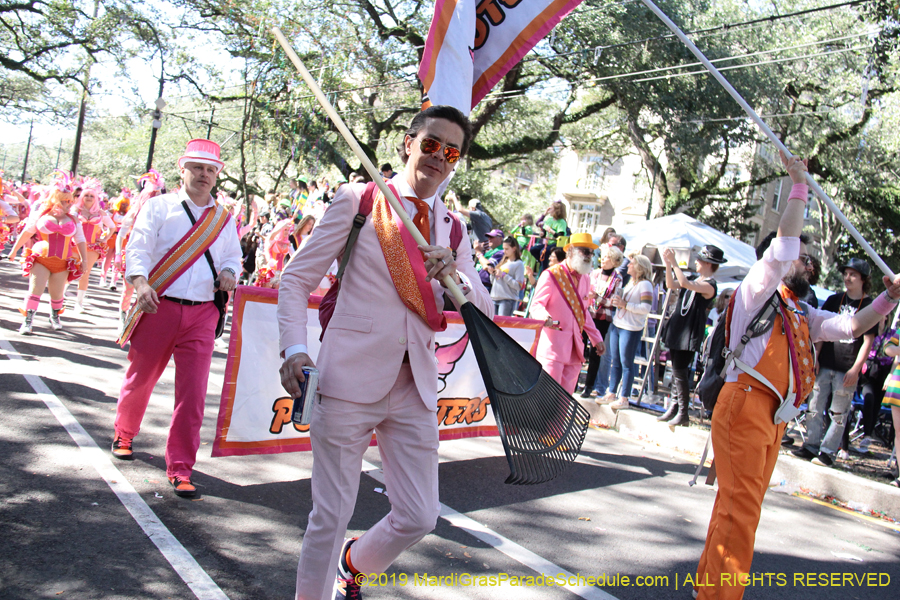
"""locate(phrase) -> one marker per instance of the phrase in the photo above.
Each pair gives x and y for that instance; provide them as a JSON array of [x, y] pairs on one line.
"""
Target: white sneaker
[[102, 281], [620, 404], [79, 309], [863, 444], [843, 455]]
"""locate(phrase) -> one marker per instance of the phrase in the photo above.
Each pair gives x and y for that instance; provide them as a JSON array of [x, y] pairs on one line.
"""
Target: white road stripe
[[506, 546], [185, 565]]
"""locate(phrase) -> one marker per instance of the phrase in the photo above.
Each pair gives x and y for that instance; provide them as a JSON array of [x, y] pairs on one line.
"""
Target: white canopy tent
[[683, 231]]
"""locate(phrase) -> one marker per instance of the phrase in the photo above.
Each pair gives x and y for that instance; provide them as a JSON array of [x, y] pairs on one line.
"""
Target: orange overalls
[[745, 444]]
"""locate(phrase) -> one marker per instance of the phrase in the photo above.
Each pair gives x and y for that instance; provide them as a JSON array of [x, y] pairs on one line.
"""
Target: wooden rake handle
[[771, 135], [354, 145]]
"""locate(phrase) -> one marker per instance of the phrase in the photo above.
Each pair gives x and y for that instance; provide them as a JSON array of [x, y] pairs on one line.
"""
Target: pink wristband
[[799, 191], [884, 304]]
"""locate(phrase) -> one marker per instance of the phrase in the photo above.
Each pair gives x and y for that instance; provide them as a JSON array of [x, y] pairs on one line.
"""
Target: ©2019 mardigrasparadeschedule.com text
[[676, 581]]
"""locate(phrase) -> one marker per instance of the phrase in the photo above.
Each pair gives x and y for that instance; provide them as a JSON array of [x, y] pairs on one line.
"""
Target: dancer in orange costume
[[57, 257], [151, 184], [745, 436], [278, 247], [97, 226], [118, 210]]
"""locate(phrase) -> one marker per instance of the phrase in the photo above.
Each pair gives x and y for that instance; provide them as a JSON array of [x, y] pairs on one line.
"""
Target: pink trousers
[[187, 333], [565, 374], [407, 436]]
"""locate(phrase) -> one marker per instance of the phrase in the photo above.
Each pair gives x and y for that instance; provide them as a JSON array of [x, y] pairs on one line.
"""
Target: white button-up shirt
[[161, 223], [405, 190]]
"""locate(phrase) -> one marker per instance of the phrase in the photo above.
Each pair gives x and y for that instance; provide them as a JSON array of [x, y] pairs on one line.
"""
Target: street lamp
[[156, 124]]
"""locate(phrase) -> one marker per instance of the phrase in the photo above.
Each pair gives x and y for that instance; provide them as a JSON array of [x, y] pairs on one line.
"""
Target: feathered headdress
[[92, 185], [151, 181], [62, 181]]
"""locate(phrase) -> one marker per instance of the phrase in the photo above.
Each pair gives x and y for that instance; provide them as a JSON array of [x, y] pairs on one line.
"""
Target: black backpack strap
[[209, 259], [365, 208], [762, 322]]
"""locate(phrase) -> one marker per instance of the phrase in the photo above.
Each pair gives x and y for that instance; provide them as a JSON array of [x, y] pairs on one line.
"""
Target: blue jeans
[[504, 308], [622, 346], [602, 381], [829, 384]]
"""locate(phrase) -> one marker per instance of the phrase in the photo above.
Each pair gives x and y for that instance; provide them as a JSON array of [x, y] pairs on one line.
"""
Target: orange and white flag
[[472, 44]]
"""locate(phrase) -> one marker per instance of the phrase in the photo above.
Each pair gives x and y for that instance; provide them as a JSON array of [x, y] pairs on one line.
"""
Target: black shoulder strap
[[365, 207], [764, 319], [209, 259]]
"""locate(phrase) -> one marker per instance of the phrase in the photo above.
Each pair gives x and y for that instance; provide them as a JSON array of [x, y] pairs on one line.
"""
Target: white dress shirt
[[161, 223]]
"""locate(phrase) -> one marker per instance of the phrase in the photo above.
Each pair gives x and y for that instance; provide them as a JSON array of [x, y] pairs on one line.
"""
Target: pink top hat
[[202, 151]]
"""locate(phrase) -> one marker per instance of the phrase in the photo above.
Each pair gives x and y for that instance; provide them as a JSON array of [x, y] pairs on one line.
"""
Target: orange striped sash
[[569, 290], [179, 259], [405, 264]]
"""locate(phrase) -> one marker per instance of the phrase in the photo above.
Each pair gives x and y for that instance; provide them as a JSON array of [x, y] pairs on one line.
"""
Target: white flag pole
[[771, 135], [361, 155]]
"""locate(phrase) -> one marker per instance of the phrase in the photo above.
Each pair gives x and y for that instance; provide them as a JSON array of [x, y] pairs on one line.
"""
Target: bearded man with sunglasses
[[748, 421], [376, 363]]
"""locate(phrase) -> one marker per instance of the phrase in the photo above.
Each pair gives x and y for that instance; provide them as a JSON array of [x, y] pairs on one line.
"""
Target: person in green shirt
[[527, 235], [554, 226]]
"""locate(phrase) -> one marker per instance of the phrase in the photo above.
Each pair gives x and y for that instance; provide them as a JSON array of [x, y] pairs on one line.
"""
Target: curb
[[861, 493]]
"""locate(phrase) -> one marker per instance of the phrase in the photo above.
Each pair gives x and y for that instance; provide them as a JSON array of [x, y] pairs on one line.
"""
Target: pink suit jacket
[[565, 345], [371, 329]]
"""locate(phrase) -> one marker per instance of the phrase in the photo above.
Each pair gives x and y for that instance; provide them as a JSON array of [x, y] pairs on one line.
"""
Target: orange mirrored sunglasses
[[430, 146]]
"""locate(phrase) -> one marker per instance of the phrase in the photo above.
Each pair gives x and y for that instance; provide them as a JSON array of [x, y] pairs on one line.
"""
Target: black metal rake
[[541, 426]]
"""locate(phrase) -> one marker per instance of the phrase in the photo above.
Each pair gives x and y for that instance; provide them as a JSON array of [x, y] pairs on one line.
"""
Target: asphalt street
[[76, 524]]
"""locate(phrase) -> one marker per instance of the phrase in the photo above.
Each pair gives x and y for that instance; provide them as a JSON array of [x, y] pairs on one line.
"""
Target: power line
[[726, 27]]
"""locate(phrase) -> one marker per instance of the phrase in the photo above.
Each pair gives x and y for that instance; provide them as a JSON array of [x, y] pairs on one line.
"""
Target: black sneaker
[[346, 583], [803, 453], [787, 441], [823, 460]]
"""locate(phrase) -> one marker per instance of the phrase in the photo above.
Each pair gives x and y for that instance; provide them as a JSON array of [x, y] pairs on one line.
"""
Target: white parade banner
[[255, 411]]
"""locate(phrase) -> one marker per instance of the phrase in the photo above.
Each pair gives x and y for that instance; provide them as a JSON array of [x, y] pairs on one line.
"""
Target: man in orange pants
[[745, 437]]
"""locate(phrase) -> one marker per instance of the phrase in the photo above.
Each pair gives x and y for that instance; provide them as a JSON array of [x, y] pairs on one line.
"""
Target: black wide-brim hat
[[712, 254]]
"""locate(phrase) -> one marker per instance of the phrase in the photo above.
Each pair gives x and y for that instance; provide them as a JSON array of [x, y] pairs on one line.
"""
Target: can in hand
[[303, 404]]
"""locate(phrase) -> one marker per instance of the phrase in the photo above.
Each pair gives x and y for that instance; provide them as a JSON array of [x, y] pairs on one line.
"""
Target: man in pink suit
[[377, 365], [560, 300]]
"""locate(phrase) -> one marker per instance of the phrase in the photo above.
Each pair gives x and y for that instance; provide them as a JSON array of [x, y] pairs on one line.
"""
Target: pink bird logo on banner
[[472, 44]]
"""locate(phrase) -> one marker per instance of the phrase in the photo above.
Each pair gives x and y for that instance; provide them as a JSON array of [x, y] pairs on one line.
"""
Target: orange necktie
[[421, 219]]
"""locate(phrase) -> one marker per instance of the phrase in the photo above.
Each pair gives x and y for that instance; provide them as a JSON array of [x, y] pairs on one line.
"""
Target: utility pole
[[82, 110], [210, 124], [58, 152], [157, 123], [27, 152]]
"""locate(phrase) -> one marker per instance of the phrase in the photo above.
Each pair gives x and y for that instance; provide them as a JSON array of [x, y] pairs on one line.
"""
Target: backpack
[[719, 356], [329, 301]]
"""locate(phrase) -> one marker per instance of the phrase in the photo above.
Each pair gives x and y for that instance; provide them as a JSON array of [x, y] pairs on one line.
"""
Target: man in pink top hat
[[377, 364], [175, 306]]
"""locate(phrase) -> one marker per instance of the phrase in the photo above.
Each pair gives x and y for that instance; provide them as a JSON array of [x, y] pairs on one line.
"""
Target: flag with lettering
[[472, 44]]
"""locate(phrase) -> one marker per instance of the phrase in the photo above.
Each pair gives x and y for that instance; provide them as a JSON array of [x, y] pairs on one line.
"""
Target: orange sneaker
[[122, 448], [183, 487]]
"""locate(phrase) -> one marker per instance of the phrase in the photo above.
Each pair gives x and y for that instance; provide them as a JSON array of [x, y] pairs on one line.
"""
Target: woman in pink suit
[[560, 299]]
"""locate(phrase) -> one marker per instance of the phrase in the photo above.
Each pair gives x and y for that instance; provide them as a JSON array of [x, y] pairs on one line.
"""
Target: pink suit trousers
[[187, 333], [407, 434]]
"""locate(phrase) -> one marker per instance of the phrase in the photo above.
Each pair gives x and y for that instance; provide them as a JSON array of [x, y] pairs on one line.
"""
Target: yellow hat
[[581, 240]]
